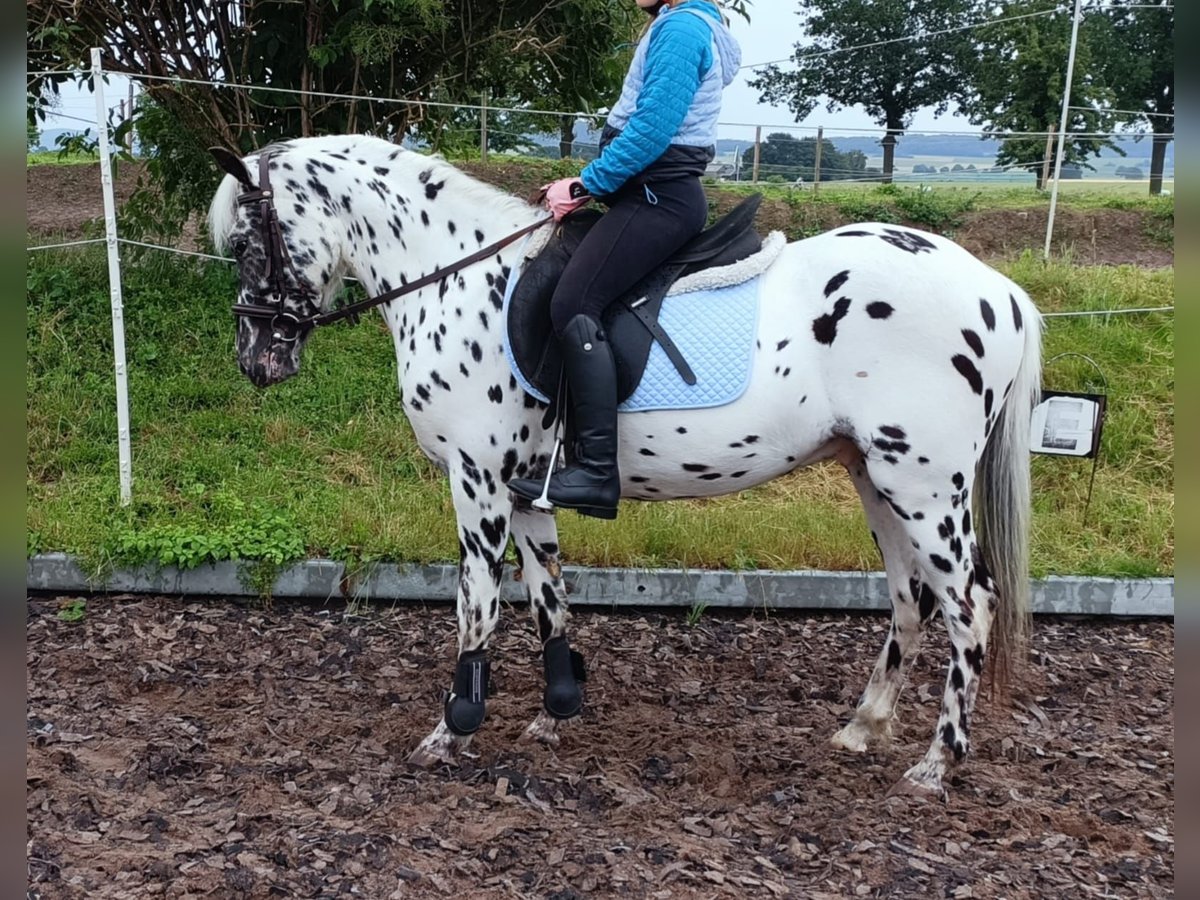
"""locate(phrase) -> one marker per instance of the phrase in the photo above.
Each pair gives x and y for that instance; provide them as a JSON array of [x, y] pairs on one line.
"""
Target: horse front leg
[[483, 510], [535, 538]]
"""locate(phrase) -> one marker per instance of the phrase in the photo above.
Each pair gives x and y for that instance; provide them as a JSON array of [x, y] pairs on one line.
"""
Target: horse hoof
[[922, 780], [427, 759], [543, 729], [438, 749], [906, 788], [850, 738]]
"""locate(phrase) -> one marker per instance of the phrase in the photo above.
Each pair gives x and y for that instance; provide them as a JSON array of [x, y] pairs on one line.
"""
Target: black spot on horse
[[825, 327], [989, 315], [646, 451], [893, 431], [891, 446], [958, 481], [493, 530], [836, 282], [681, 430], [967, 370], [711, 476], [893, 657], [496, 393], [425, 218], [941, 563], [1016, 311], [853, 234], [549, 597], [974, 658], [783, 343], [987, 403], [879, 310], [476, 351], [924, 597], [432, 188], [695, 467], [950, 739], [973, 341], [909, 241], [510, 463]]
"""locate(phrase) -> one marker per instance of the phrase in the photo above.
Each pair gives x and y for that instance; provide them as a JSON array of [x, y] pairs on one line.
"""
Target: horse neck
[[432, 217]]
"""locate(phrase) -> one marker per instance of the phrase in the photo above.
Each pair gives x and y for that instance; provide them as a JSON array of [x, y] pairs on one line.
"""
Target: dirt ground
[[63, 200], [188, 749]]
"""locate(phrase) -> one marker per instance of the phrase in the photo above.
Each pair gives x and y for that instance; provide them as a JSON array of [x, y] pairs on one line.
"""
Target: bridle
[[288, 327]]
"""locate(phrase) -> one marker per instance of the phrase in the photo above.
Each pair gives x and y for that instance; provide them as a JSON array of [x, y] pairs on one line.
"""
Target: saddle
[[632, 321]]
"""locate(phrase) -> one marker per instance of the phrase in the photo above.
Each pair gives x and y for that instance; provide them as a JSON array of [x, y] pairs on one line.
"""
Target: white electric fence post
[[1062, 129], [124, 456]]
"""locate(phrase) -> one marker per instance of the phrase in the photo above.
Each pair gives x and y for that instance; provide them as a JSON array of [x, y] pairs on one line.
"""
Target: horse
[[893, 351]]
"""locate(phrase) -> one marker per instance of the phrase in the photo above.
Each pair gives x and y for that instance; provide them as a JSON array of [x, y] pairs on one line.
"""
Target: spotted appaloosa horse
[[893, 351]]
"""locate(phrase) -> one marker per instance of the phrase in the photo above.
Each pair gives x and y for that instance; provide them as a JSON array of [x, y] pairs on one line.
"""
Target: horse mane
[[222, 212]]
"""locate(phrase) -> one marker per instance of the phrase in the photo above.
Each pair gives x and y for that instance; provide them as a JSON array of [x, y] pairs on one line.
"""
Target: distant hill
[[960, 146]]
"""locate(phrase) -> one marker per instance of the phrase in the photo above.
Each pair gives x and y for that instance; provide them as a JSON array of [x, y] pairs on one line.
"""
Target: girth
[[632, 321]]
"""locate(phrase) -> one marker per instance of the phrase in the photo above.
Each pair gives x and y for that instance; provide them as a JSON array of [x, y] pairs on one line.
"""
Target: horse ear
[[232, 163]]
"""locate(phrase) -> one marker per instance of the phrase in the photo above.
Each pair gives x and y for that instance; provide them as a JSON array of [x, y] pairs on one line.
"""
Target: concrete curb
[[324, 579]]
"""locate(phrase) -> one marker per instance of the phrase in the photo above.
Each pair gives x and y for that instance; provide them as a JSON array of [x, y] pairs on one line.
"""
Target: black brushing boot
[[591, 485], [565, 671], [465, 706]]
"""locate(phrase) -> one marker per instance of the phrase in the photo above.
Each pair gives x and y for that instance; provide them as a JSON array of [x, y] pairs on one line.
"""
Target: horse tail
[[1003, 501]]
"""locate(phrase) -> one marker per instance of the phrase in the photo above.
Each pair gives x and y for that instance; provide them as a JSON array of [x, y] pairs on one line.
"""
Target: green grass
[[980, 195], [58, 158], [326, 464]]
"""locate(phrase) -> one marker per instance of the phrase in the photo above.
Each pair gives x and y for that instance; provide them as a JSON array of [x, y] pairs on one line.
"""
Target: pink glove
[[565, 196]]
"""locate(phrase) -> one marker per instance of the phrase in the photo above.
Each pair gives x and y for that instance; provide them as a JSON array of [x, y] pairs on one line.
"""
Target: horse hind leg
[[912, 607], [535, 537], [949, 574]]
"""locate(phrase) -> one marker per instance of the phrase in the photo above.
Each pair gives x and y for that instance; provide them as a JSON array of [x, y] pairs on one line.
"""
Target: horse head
[[276, 224]]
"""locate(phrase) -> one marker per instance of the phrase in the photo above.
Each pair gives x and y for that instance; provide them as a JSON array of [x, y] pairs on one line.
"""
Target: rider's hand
[[565, 196]]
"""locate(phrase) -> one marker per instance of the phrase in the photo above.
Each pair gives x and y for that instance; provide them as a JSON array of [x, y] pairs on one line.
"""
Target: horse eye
[[239, 247]]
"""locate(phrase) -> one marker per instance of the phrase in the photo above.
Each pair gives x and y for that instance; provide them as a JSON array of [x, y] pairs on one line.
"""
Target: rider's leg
[[645, 225]]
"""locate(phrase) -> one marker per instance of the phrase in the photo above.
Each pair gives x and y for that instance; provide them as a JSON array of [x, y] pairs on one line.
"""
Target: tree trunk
[[566, 136], [1158, 157], [889, 155]]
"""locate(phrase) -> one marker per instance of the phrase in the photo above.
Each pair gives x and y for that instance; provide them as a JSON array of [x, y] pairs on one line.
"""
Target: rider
[[655, 145]]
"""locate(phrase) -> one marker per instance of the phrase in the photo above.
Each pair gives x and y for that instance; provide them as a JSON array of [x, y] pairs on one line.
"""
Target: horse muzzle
[[270, 366]]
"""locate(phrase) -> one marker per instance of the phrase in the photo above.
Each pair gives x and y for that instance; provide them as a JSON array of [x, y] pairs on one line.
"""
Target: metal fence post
[[483, 104], [817, 159], [757, 151], [124, 455], [1062, 131]]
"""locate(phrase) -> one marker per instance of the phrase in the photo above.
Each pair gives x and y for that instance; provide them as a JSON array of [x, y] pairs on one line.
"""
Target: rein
[[287, 326]]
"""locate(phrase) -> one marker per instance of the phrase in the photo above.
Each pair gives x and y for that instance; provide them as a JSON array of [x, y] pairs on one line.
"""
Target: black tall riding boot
[[591, 484]]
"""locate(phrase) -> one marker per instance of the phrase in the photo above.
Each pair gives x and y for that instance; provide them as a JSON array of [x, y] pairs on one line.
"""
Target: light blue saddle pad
[[714, 330]]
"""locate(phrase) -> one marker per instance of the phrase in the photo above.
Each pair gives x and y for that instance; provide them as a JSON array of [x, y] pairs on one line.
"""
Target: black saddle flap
[[531, 335]]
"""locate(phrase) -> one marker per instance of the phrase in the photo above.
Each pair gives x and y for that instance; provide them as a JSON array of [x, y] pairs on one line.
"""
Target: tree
[[790, 158], [1017, 83], [861, 53], [1137, 60]]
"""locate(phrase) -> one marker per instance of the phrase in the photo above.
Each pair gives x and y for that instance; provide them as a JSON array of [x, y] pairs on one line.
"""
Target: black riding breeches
[[644, 225]]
